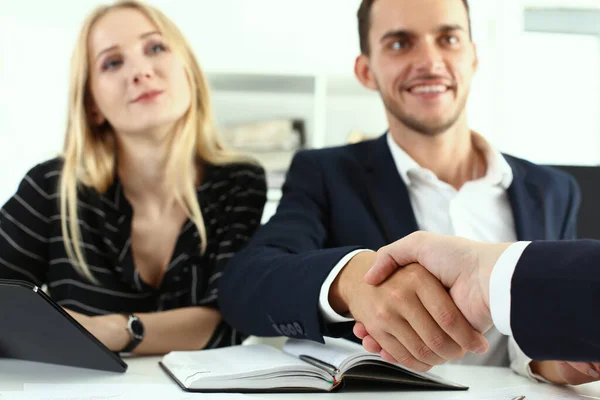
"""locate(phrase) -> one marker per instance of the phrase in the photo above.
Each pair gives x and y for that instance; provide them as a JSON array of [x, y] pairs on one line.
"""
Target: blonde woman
[[130, 228]]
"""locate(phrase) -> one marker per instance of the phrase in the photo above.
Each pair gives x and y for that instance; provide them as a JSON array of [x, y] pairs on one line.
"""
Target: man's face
[[421, 61]]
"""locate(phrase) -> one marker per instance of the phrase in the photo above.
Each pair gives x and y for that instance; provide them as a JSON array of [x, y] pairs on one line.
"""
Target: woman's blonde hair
[[90, 153]]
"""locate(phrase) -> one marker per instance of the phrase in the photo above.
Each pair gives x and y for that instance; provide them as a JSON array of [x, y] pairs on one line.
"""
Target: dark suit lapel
[[527, 203], [388, 193]]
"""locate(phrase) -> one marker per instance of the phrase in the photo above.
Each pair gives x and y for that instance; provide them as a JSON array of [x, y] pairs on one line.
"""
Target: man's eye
[[399, 44], [451, 39]]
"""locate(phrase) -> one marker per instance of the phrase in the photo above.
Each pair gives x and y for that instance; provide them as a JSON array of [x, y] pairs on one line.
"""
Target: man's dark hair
[[364, 22]]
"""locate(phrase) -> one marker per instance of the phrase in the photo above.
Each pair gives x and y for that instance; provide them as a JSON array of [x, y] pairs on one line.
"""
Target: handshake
[[425, 300]]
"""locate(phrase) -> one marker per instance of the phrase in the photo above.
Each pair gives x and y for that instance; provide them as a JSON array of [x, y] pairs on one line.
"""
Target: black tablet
[[34, 328]]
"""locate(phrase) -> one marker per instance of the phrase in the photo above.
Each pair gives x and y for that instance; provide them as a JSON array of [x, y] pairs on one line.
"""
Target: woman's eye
[[157, 48], [111, 64]]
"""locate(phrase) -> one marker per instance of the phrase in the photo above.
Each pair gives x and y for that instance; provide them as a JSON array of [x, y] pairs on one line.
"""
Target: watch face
[[137, 327]]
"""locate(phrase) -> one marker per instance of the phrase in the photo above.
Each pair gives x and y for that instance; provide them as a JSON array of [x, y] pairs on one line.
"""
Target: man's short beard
[[423, 127], [414, 123]]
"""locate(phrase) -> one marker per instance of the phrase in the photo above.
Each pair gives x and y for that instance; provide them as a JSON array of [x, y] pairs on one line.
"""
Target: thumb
[[392, 256]]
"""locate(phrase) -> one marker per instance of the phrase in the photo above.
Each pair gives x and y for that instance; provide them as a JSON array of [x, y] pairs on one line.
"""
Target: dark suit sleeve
[[569, 230], [555, 298], [272, 287], [24, 230]]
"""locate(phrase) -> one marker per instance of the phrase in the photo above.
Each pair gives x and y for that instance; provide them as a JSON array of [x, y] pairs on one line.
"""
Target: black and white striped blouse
[[32, 249]]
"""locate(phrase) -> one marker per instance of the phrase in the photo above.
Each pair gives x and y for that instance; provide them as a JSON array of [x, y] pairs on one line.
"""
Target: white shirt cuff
[[328, 313], [500, 285], [520, 363]]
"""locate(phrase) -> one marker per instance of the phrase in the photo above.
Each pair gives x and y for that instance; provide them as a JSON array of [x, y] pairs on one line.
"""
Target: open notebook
[[301, 366]]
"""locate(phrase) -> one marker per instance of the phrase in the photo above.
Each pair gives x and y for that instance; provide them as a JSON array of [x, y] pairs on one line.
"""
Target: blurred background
[[283, 70]]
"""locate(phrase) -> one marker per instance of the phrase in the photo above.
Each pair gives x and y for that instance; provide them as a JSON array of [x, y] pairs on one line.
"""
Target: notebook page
[[343, 354], [229, 363], [67, 394], [335, 351]]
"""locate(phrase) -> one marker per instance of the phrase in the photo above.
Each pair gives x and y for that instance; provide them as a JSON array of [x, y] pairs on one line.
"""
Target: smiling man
[[302, 274]]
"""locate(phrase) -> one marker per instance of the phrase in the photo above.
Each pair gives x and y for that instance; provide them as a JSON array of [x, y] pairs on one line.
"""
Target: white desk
[[14, 374]]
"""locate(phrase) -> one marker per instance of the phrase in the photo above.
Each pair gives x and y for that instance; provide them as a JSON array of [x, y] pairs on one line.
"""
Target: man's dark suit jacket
[[340, 199], [555, 299]]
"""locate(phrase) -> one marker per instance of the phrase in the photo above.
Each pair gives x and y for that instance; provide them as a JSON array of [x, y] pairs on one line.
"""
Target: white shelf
[[245, 82], [276, 83], [347, 86], [332, 106]]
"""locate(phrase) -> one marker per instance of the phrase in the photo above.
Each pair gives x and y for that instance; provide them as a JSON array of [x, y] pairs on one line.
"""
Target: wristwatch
[[136, 331]]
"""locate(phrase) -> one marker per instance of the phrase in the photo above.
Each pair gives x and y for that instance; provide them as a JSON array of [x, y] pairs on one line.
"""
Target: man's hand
[[461, 265], [566, 372], [410, 314], [110, 329]]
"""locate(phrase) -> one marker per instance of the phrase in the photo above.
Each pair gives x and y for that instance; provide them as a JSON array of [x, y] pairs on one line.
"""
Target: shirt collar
[[499, 172], [404, 162]]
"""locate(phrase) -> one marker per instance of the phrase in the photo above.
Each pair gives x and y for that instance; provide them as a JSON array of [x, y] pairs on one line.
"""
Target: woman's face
[[137, 83]]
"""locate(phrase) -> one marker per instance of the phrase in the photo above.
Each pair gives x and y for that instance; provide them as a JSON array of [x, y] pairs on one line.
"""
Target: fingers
[[445, 329], [368, 342], [420, 350], [359, 330], [577, 373], [387, 357], [429, 345], [582, 367], [415, 321], [588, 369], [372, 346], [442, 327], [395, 351], [433, 338]]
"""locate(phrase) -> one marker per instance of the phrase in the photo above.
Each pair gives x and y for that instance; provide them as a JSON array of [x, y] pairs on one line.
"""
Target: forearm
[[182, 329]]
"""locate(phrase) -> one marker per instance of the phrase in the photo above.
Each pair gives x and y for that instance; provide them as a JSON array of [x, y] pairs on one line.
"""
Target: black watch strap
[[136, 331]]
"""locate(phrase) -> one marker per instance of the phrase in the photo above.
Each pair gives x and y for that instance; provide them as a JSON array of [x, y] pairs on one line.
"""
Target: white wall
[[264, 36], [560, 100], [34, 58], [571, 4]]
